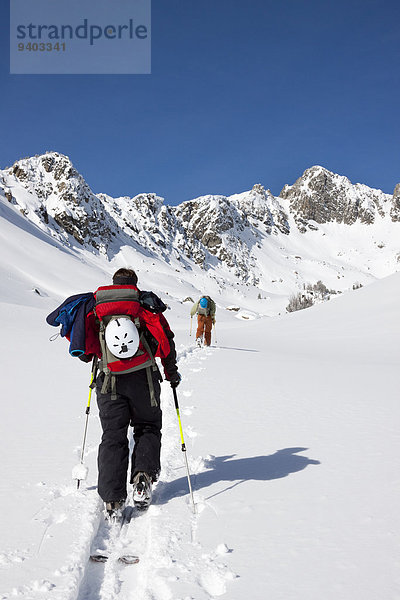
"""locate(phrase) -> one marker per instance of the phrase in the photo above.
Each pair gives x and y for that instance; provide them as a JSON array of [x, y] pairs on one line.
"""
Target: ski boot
[[114, 510], [142, 491]]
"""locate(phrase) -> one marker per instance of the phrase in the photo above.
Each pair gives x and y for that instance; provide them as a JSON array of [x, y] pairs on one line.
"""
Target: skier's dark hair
[[125, 277]]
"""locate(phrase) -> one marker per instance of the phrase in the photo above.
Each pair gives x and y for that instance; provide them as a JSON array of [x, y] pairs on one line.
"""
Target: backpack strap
[[113, 387], [110, 381], [153, 400], [109, 378], [153, 367], [103, 362], [106, 382]]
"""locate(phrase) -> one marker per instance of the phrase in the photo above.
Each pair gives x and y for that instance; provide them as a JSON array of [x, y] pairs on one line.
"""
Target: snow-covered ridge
[[321, 228]]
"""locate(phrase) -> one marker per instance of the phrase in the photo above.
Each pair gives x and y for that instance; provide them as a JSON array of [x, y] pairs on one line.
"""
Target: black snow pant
[[132, 406]]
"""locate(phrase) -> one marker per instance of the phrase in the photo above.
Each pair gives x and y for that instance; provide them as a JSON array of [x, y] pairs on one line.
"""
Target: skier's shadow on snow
[[227, 468]]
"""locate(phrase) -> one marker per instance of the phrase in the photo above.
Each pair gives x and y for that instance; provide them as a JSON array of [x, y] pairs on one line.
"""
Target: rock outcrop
[[320, 196]]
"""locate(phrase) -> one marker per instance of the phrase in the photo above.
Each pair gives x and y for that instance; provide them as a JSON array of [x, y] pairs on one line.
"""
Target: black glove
[[86, 357], [175, 380]]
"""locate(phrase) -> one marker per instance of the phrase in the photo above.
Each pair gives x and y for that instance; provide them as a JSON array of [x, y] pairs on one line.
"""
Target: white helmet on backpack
[[122, 337]]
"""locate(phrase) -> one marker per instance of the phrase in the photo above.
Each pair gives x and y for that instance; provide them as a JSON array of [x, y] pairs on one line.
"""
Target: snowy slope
[[291, 426]]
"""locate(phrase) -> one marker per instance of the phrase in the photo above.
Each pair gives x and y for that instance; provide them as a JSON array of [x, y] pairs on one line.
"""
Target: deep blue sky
[[240, 93]]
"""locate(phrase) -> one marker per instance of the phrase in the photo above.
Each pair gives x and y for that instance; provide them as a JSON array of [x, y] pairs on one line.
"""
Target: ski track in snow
[[173, 564]]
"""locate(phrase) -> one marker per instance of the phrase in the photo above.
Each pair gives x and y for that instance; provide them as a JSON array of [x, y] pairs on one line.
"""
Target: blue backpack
[[203, 307]]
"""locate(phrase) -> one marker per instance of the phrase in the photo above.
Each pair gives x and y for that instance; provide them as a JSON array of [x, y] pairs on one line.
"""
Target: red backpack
[[114, 304]]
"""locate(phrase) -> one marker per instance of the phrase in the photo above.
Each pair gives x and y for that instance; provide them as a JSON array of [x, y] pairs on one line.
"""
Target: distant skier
[[205, 309], [126, 330]]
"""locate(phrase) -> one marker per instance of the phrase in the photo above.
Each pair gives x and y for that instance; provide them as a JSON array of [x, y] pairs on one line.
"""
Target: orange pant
[[204, 326]]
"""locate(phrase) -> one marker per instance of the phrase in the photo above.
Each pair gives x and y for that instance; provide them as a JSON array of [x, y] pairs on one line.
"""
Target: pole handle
[[175, 398], [92, 383]]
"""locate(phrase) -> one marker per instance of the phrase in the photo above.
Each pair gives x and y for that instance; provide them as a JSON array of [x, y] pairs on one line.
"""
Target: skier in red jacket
[[133, 396]]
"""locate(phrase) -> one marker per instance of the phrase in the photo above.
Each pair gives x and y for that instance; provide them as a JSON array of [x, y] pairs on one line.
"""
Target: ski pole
[[91, 386], [190, 333], [183, 446], [215, 332]]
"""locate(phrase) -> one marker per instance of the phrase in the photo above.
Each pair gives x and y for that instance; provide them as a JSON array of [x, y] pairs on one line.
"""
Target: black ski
[[126, 559], [116, 526]]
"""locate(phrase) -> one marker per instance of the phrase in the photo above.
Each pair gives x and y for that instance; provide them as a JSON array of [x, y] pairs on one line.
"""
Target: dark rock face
[[395, 210], [229, 228], [201, 223], [322, 196], [262, 208]]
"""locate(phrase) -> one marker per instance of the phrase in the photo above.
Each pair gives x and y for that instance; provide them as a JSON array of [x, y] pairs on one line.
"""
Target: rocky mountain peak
[[321, 196], [206, 223], [33, 169], [59, 196], [262, 209]]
